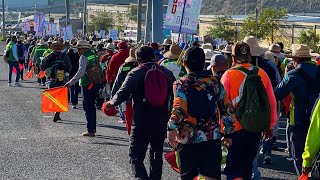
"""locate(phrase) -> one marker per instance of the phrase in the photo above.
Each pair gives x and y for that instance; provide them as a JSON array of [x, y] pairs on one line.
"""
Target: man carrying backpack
[[89, 76], [56, 65], [303, 85], [251, 92], [150, 87], [194, 126]]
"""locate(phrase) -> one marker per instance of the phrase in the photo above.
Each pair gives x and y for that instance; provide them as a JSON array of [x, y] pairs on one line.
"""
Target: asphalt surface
[[32, 146]]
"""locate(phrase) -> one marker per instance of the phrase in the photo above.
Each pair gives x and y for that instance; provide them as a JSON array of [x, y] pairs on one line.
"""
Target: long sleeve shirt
[[15, 52], [83, 63], [312, 145]]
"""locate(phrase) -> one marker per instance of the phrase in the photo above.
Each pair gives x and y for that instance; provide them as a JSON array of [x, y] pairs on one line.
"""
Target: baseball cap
[[241, 51], [195, 58], [217, 60]]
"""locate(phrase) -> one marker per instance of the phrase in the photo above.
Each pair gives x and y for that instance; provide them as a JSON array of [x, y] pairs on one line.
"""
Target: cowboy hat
[[299, 51], [110, 47], [83, 44], [174, 52], [132, 56], [56, 45], [41, 42], [227, 49], [255, 48], [167, 42]]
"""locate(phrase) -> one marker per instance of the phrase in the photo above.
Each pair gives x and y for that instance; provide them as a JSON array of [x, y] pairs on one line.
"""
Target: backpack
[[313, 89], [253, 111], [58, 69], [94, 73], [155, 86], [202, 97]]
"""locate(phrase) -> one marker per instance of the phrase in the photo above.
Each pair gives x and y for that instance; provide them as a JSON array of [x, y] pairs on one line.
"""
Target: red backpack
[[155, 86]]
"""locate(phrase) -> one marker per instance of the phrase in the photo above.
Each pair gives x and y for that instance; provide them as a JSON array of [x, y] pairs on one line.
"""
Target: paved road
[[34, 147]]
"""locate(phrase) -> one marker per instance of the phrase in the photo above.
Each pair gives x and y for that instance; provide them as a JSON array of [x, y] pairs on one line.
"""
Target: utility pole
[[67, 11], [245, 7], [84, 18], [148, 22], [157, 21], [139, 19]]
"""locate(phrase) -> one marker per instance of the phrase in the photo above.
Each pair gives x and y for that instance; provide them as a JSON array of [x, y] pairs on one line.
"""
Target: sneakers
[[74, 107], [17, 84], [267, 160], [9, 85], [88, 134]]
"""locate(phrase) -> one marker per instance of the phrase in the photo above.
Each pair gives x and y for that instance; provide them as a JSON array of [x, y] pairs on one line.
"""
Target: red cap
[[109, 111], [122, 45]]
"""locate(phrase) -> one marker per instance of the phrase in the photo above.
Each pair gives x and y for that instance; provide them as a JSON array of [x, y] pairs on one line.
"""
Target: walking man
[[13, 60]]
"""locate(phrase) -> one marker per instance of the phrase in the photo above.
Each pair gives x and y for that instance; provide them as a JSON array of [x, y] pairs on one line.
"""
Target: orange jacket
[[233, 81]]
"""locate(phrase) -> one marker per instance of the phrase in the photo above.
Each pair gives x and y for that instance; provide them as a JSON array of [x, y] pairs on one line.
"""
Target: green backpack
[[253, 111]]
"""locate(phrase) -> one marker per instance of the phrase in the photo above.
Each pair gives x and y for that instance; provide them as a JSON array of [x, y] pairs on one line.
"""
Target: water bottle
[[224, 157]]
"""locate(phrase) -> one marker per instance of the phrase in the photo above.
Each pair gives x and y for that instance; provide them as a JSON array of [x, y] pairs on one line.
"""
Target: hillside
[[232, 7]]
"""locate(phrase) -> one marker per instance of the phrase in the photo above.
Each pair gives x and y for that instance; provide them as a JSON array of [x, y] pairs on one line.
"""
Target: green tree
[[133, 13], [310, 38], [267, 24], [120, 23], [222, 28], [100, 21]]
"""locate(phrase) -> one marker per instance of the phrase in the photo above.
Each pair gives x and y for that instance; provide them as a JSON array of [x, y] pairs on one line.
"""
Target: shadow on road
[[98, 125], [112, 138]]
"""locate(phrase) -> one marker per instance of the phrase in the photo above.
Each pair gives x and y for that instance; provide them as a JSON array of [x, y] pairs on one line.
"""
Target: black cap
[[195, 58], [241, 51]]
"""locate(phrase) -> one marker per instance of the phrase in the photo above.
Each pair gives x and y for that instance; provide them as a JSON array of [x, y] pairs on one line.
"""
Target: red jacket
[[115, 62]]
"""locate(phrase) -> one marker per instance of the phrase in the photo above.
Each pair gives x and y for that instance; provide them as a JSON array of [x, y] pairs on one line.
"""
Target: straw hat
[[227, 49], [83, 44], [167, 42], [132, 56], [300, 51], [174, 52], [255, 48], [110, 47]]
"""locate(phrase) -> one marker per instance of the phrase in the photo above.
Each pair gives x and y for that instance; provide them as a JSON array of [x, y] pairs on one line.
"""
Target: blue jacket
[[303, 94]]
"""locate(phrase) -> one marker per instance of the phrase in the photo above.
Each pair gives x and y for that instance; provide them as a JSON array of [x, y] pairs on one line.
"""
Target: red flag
[[55, 100], [21, 66]]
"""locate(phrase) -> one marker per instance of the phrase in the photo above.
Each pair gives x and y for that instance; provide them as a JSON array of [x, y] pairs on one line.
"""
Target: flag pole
[[182, 16]]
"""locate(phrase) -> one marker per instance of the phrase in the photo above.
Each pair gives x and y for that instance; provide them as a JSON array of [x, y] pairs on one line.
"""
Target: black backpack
[[58, 68]]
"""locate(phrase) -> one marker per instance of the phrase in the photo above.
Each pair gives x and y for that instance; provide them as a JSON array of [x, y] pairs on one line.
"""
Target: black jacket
[[146, 119]]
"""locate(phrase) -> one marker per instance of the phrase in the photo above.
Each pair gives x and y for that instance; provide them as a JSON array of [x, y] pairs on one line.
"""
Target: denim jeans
[[14, 64], [139, 142], [241, 154], [74, 94], [256, 175], [297, 140], [89, 107]]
